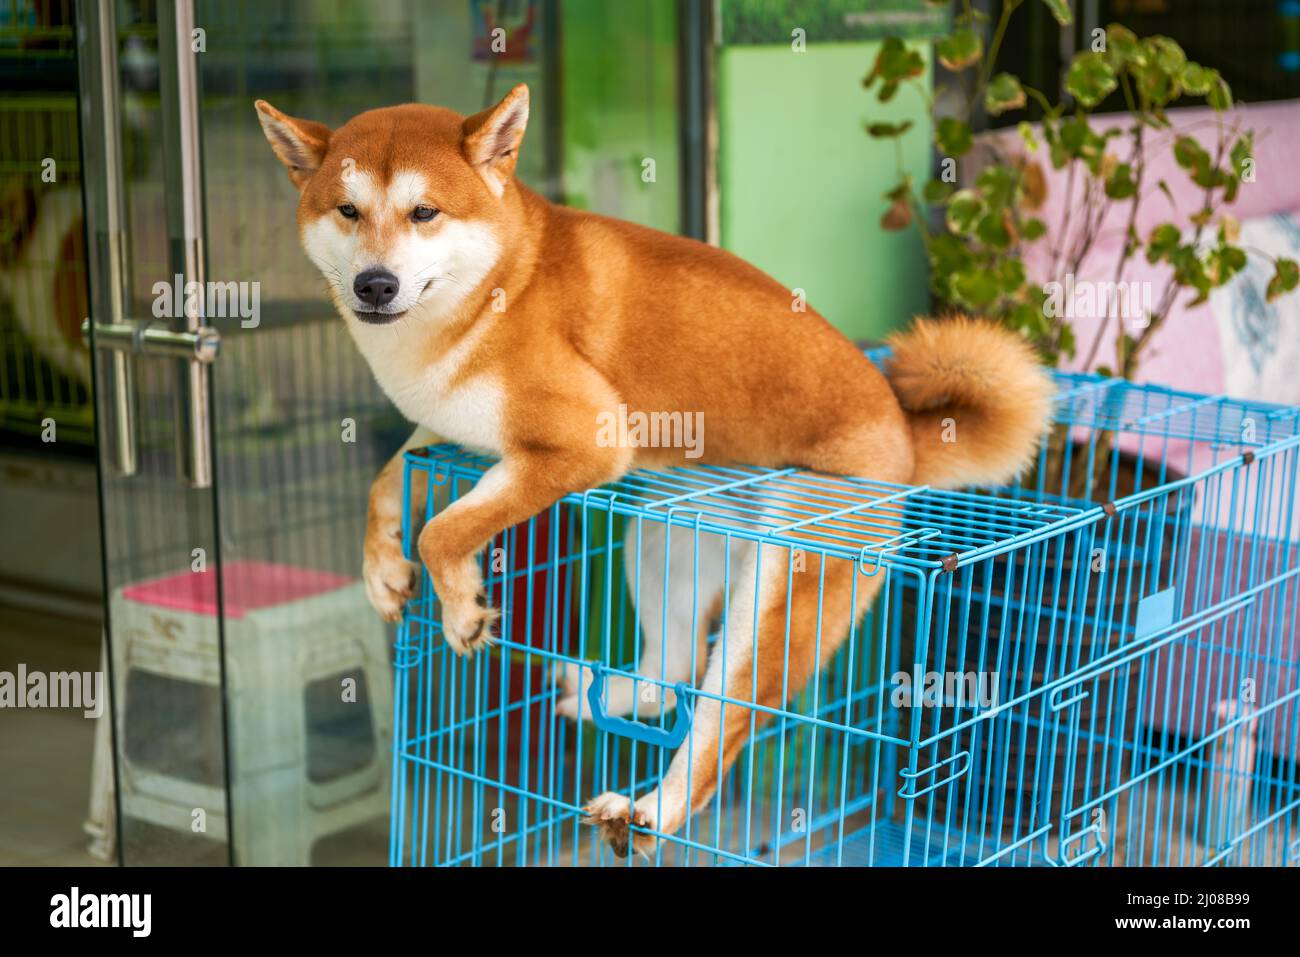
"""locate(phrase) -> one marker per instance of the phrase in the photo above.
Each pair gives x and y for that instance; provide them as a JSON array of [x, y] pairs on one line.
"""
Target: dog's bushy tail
[[977, 398]]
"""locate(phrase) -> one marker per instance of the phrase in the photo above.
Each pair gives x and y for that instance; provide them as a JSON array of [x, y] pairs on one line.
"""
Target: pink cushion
[[248, 586]]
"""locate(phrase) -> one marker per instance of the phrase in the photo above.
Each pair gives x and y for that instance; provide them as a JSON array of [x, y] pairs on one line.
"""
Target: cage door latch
[[658, 737]]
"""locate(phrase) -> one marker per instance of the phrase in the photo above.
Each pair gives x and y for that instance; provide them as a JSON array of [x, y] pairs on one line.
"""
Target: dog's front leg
[[389, 578], [514, 490]]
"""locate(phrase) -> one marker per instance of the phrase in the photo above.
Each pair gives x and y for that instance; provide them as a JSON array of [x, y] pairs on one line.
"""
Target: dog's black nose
[[375, 287]]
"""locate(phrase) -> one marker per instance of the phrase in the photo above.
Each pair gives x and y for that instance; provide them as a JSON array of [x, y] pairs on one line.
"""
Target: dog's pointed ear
[[300, 144], [491, 139]]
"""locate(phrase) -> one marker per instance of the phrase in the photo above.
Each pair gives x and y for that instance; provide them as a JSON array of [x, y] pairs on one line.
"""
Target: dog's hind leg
[[785, 619], [760, 661], [675, 577]]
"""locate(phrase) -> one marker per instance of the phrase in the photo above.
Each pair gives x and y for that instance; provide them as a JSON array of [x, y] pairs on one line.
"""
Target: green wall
[[619, 68], [801, 182]]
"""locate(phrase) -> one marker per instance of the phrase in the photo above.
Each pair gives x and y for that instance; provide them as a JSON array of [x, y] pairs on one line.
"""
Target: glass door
[[239, 427], [152, 363]]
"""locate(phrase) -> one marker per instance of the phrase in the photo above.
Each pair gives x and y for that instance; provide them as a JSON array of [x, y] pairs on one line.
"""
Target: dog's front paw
[[467, 618], [389, 578], [467, 626], [614, 816]]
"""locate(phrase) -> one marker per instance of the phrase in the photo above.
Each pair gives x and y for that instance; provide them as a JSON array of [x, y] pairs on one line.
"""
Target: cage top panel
[[874, 523], [1163, 413], [1157, 412]]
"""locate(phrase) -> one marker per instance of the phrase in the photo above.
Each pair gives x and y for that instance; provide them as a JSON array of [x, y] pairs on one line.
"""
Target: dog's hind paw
[[614, 816], [572, 680], [623, 696]]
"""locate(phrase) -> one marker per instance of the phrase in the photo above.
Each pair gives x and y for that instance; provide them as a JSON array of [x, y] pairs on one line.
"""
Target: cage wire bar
[[1097, 667]]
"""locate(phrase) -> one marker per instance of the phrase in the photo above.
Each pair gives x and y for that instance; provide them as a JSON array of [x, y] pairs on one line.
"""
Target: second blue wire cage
[[1099, 667]]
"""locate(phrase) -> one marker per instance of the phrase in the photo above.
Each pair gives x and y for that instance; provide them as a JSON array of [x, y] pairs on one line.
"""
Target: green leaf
[[1225, 261], [1242, 153], [960, 49], [1220, 96], [948, 254], [1033, 229], [1162, 242], [1121, 46], [998, 185], [1090, 79], [937, 191], [1004, 93], [902, 191], [975, 288], [1197, 79], [964, 211], [1166, 54], [1068, 342], [1061, 10], [1190, 271], [1124, 346], [1120, 184], [1192, 157], [1011, 275], [886, 130], [1157, 67], [1132, 242], [1079, 141], [1026, 131], [953, 136], [1286, 275], [1028, 319], [894, 63], [992, 230]]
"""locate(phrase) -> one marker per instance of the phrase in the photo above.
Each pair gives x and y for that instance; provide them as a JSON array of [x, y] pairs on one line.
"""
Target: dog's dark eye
[[423, 214], [348, 210]]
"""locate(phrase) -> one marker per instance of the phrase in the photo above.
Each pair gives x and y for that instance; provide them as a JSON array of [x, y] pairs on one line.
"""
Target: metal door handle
[[201, 345], [192, 344], [198, 347]]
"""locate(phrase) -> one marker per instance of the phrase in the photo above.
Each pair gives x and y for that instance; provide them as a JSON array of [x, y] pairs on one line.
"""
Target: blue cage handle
[[658, 737]]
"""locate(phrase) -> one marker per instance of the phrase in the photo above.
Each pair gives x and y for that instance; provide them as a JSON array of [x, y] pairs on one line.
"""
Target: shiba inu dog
[[498, 320]]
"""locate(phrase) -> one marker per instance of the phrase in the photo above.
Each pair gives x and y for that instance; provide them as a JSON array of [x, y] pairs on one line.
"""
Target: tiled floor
[[45, 752]]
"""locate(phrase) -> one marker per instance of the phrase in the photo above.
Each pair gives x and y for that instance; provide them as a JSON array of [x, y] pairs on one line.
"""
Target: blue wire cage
[[1099, 666]]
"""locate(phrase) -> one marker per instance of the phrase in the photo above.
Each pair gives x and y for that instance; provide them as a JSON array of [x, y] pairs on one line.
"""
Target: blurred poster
[[505, 31]]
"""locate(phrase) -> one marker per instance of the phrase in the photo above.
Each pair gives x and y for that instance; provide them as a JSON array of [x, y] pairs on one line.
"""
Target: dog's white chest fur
[[466, 411]]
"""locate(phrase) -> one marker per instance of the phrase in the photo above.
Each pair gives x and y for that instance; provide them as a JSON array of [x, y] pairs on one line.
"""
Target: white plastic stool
[[290, 633]]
